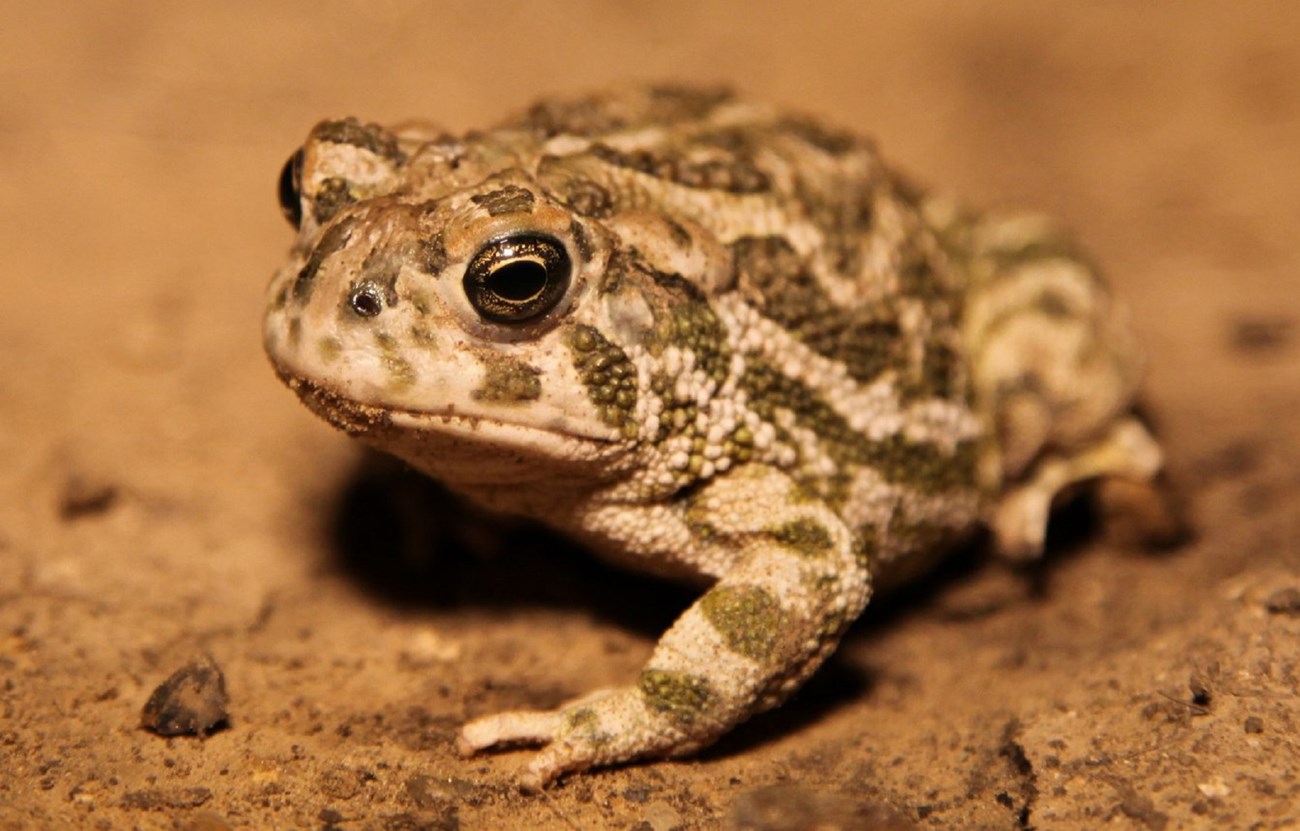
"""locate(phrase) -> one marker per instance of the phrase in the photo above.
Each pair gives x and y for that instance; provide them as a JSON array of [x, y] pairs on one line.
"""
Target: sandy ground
[[162, 497]]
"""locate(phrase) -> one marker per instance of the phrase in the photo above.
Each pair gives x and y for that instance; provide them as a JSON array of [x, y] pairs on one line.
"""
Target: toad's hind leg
[[1128, 464], [1054, 376]]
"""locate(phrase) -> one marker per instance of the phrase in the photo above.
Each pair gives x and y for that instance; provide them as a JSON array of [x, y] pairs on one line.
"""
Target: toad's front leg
[[744, 646]]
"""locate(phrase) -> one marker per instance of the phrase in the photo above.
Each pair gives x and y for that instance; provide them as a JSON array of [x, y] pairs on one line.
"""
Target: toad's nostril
[[366, 300]]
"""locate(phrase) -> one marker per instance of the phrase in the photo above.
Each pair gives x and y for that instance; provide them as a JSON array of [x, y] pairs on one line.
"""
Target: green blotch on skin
[[867, 340], [331, 196], [620, 267], [748, 618], [329, 348], [584, 722], [940, 371], [917, 275], [1046, 302], [369, 137], [735, 174], [699, 520], [581, 717], [401, 375], [739, 447], [678, 417], [680, 696], [927, 468], [424, 337], [804, 536], [705, 532], [803, 491], [689, 323], [866, 542], [821, 584], [608, 375], [508, 381], [509, 199], [940, 472]]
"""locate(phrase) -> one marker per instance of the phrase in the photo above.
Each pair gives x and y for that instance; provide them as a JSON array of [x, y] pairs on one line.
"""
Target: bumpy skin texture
[[709, 339]]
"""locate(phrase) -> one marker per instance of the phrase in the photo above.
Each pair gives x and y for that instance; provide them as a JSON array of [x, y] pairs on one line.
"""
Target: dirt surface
[[162, 498]]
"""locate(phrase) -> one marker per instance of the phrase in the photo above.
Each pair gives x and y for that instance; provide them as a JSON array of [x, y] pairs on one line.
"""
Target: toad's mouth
[[355, 419], [374, 424]]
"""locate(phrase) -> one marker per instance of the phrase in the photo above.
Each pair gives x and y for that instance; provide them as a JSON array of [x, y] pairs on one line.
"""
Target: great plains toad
[[707, 338]]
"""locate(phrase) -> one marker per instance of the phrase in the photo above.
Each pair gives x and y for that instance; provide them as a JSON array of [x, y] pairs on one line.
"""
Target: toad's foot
[[606, 727], [1126, 454]]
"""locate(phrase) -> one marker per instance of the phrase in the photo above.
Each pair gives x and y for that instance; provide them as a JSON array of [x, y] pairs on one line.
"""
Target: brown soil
[[163, 498]]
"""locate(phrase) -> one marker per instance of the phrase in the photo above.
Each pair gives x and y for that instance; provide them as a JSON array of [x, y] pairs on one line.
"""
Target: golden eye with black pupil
[[291, 189], [518, 278], [366, 300]]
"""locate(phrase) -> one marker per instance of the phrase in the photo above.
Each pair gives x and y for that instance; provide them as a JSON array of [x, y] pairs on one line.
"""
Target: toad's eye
[[518, 278], [291, 189]]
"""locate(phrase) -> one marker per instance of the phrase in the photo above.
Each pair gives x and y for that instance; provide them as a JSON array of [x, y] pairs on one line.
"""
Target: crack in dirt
[[1014, 752]]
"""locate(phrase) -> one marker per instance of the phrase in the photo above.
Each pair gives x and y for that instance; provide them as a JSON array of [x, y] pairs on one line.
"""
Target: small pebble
[[85, 496], [1284, 601], [192, 701]]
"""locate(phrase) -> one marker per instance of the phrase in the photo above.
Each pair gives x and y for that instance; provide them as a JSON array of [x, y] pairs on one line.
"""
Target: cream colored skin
[[739, 349]]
